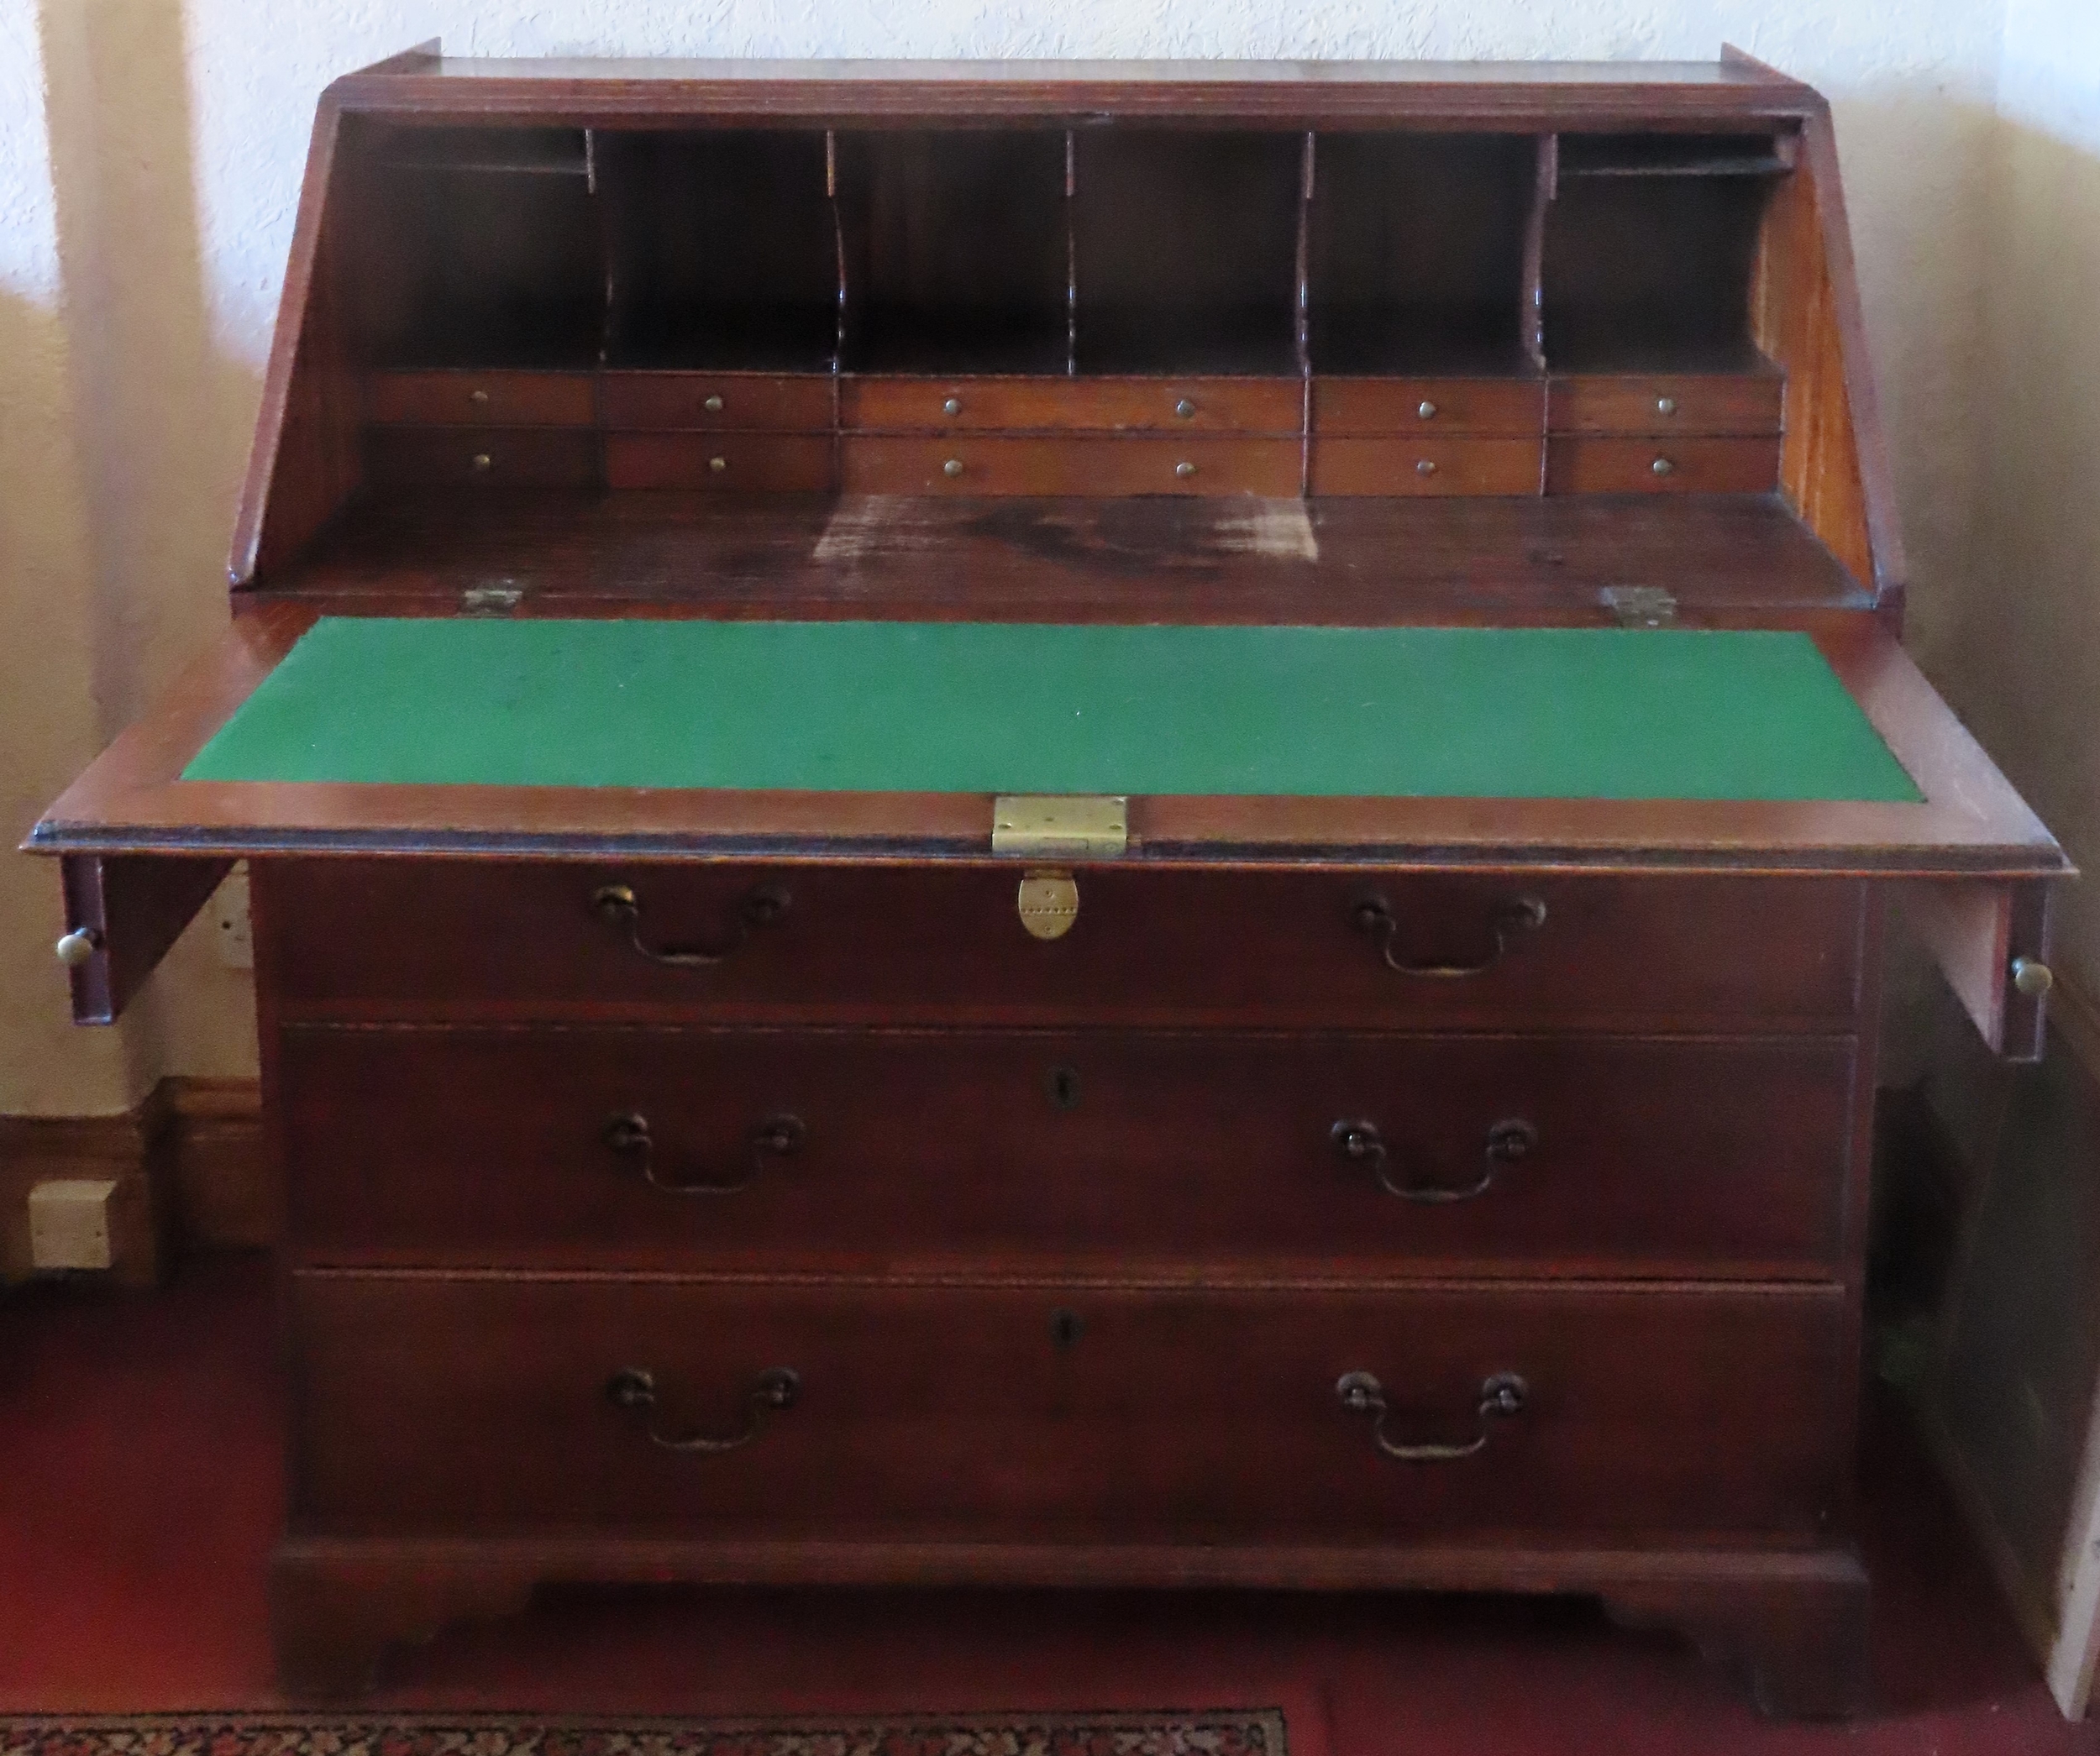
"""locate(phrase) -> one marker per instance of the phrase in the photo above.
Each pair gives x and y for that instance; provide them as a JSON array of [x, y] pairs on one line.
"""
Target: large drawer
[[664, 1148], [1064, 1412], [890, 945]]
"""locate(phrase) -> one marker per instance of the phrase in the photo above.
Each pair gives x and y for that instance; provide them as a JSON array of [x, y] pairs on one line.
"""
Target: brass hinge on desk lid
[[1038, 827], [1640, 606]]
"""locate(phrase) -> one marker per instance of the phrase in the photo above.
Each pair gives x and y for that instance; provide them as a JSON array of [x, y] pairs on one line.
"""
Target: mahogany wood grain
[[1974, 932], [507, 457], [973, 464], [1494, 407], [466, 398], [725, 463], [1231, 406], [1725, 1160], [1713, 403], [134, 910], [967, 1412], [1425, 466], [750, 400], [1971, 825], [897, 944], [1081, 559], [1804, 314], [1664, 464], [303, 464]]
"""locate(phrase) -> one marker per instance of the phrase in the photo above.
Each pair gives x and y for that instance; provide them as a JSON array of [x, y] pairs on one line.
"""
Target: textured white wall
[[2025, 664], [177, 136]]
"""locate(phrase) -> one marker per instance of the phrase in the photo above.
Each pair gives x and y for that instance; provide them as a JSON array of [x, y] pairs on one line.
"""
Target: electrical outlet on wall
[[230, 929]]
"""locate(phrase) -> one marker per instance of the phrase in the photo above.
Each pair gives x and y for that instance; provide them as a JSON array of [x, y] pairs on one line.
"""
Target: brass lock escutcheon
[[1049, 902]]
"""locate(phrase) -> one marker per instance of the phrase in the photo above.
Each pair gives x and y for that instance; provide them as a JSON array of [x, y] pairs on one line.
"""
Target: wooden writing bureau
[[1099, 824]]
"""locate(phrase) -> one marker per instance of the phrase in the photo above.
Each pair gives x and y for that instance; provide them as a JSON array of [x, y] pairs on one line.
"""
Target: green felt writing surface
[[976, 707]]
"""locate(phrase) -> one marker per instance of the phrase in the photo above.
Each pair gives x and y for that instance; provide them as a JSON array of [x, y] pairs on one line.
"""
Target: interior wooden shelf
[[1333, 561]]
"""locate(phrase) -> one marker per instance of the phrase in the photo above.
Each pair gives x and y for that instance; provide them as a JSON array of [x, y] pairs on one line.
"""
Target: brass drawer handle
[[1501, 1396], [628, 1136], [1374, 915], [635, 1389], [1360, 1143], [618, 907]]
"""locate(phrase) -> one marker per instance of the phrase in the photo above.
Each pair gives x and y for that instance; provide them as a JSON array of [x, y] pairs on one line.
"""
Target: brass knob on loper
[[2031, 977], [78, 947]]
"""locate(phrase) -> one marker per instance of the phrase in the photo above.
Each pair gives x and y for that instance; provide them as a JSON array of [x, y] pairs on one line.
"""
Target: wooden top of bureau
[[1340, 344]]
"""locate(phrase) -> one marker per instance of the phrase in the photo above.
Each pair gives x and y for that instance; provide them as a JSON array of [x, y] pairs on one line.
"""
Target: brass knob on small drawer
[[1426, 409], [1185, 409], [1666, 405], [1425, 466], [712, 404], [1184, 470], [953, 406], [953, 466], [78, 947], [718, 465], [480, 399], [1663, 466], [483, 463], [2031, 977]]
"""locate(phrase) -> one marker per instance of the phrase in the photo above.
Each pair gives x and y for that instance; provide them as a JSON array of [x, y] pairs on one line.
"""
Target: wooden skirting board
[[194, 1147]]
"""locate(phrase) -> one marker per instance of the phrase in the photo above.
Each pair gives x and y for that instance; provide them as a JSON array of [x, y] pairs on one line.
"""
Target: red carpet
[[339, 1734], [139, 1488]]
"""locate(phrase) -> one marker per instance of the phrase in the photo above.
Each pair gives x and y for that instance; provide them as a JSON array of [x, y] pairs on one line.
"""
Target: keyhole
[[1064, 1088], [1065, 1328]]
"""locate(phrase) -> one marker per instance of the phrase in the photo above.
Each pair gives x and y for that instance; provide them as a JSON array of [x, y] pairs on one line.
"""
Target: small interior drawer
[[1681, 403], [1109, 405], [478, 399], [1425, 466], [1662, 465], [799, 403], [971, 463], [1509, 407], [761, 463], [534, 457]]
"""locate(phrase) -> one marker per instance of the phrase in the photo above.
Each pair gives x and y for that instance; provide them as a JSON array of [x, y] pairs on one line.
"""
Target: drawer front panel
[[1661, 466], [1050, 1412], [758, 462], [519, 457], [1116, 405], [968, 463], [492, 940], [1677, 404], [1505, 1154], [1425, 466], [729, 401], [478, 399], [1509, 407]]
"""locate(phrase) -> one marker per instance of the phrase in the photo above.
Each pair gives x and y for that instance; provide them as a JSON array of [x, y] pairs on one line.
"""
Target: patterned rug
[[1219, 1732]]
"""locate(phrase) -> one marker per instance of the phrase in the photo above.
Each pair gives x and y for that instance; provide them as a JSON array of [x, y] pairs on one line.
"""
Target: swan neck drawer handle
[[1360, 1143], [619, 908], [1501, 1397], [629, 1136], [1374, 916], [634, 1390]]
